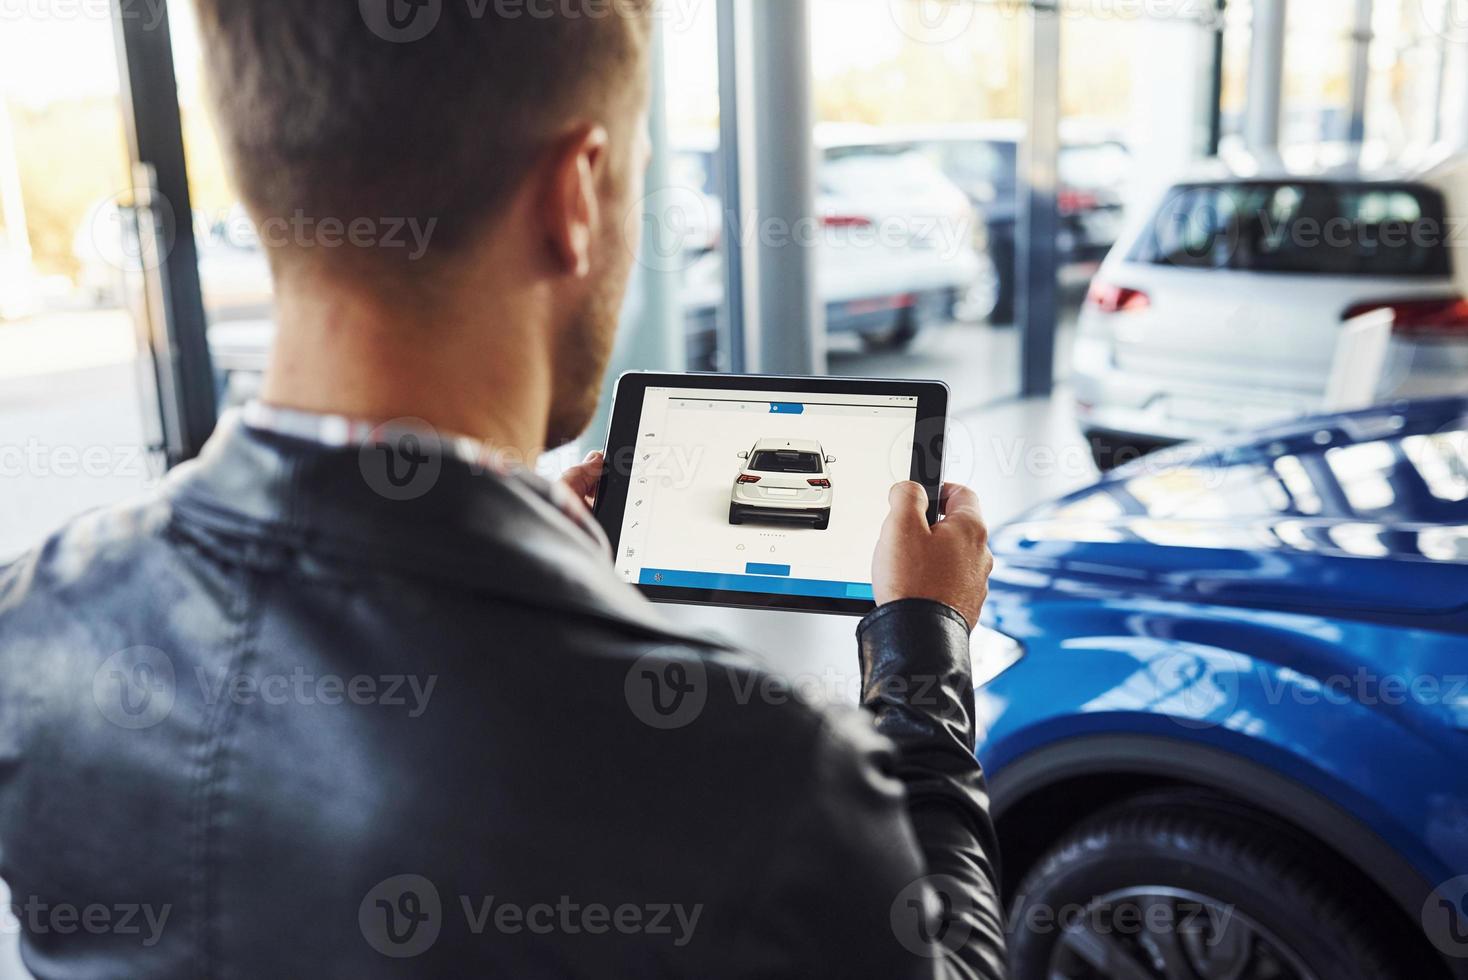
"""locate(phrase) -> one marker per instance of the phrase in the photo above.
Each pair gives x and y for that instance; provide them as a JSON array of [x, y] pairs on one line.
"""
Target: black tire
[[1265, 903], [899, 338], [823, 522], [736, 516]]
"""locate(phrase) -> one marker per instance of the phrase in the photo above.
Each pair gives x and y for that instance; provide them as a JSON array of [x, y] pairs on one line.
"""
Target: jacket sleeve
[[917, 682], [889, 863]]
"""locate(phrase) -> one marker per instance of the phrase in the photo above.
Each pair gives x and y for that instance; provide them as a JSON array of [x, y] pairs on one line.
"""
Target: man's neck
[[481, 371]]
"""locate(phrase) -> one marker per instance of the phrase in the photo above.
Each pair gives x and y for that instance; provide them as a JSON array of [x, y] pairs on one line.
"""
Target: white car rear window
[[1301, 227]]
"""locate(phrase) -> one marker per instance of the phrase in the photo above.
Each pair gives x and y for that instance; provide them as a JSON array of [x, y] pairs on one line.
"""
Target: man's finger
[[583, 479], [958, 499], [909, 502]]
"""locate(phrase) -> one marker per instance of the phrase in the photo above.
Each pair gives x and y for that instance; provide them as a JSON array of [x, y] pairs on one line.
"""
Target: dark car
[[983, 159]]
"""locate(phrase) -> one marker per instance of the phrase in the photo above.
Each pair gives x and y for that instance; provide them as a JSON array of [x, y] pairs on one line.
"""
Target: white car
[[1224, 309], [784, 480], [897, 242]]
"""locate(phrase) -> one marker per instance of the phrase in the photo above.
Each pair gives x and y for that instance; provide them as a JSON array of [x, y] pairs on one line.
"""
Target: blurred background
[[971, 164]]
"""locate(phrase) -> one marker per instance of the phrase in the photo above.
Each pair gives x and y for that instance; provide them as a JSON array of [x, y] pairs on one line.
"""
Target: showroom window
[[72, 425]]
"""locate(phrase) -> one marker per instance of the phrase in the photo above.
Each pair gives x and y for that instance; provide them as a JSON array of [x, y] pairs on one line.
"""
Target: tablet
[[763, 492]]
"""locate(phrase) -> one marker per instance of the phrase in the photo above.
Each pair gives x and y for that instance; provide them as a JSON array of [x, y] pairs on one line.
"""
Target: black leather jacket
[[270, 723]]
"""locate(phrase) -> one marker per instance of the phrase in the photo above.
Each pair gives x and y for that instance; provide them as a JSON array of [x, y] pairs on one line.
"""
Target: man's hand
[[948, 562], [584, 479]]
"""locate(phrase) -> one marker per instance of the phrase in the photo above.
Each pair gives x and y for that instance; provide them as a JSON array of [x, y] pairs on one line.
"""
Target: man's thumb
[[909, 502]]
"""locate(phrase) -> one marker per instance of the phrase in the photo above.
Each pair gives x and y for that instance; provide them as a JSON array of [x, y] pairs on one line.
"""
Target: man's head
[[416, 150]]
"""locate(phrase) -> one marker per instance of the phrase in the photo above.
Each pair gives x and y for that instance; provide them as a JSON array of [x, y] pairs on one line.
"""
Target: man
[[300, 714]]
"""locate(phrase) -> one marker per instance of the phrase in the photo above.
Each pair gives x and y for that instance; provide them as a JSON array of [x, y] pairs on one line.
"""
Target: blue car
[[1226, 700]]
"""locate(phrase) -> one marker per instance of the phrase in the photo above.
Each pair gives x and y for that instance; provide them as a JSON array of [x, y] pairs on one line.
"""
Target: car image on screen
[[784, 480]]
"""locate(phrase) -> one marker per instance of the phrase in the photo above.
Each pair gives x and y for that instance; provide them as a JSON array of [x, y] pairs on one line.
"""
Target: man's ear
[[570, 208]]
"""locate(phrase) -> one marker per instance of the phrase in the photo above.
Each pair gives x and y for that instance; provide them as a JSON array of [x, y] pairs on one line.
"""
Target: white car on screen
[[784, 480], [1225, 308]]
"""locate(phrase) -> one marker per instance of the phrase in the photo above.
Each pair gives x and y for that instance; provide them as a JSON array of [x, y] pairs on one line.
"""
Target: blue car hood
[[1315, 566], [1363, 514]]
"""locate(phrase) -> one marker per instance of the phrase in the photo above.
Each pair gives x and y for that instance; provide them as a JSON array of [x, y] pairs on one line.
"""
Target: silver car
[[1224, 310]]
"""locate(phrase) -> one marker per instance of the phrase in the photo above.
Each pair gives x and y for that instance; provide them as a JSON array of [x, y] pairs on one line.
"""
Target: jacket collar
[[412, 506]]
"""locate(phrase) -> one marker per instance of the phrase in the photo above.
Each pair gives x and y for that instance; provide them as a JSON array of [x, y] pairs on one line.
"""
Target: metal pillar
[[735, 161], [1266, 75], [1444, 70], [1453, 112], [1039, 216], [780, 231], [178, 329], [1361, 38], [1215, 81], [659, 343]]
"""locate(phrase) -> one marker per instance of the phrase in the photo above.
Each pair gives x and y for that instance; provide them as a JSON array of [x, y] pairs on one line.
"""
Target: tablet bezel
[[622, 435]]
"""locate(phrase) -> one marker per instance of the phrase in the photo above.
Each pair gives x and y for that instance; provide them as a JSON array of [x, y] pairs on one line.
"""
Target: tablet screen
[[779, 493]]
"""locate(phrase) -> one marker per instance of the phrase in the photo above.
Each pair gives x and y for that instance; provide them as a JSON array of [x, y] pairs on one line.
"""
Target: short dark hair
[[407, 109]]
